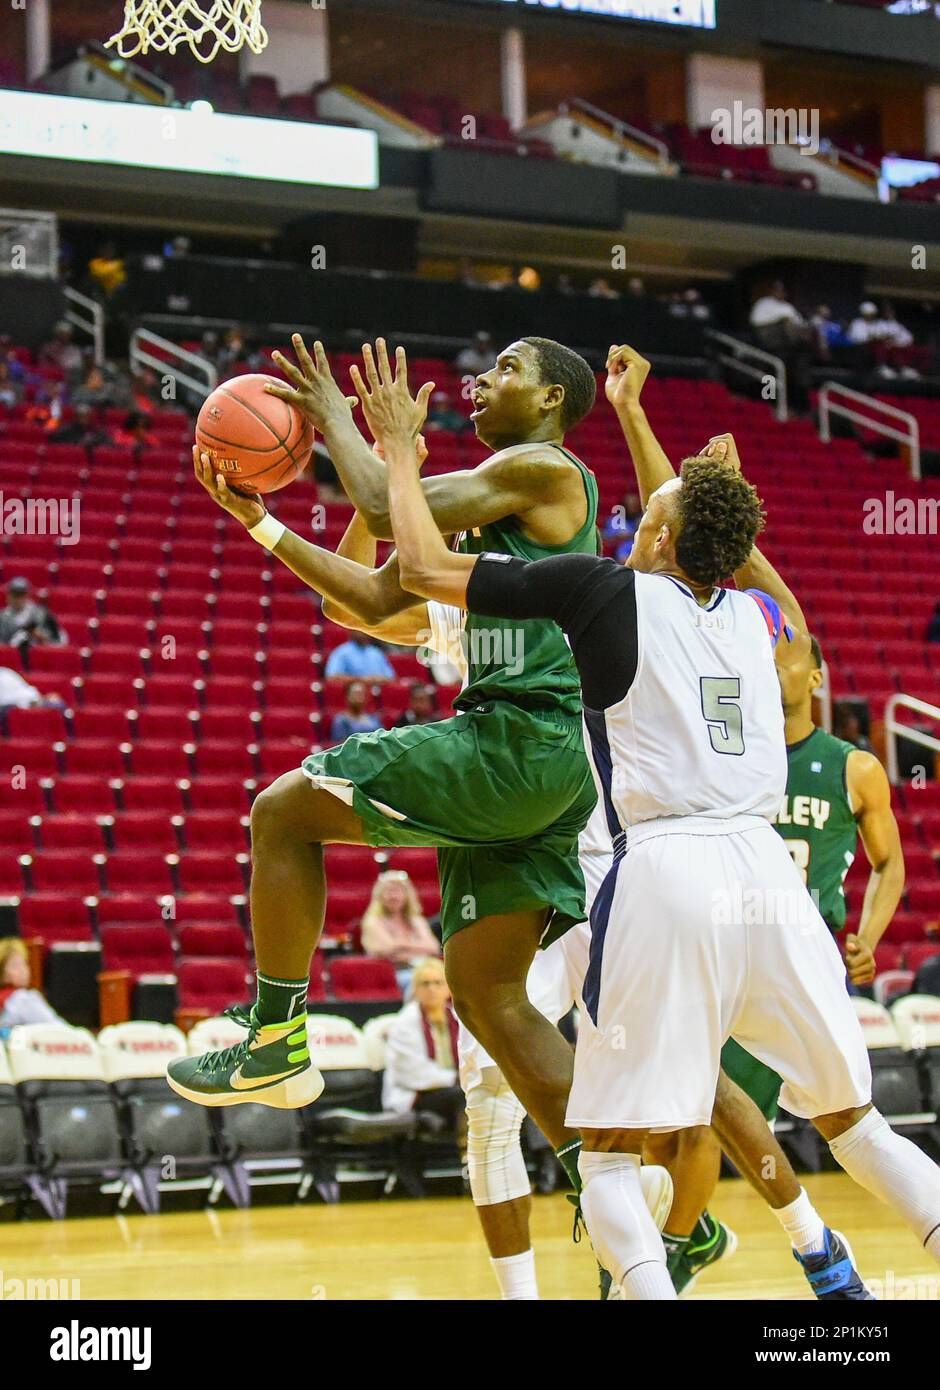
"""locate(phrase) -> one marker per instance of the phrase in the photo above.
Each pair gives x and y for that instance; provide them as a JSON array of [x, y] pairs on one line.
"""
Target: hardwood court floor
[[430, 1249]]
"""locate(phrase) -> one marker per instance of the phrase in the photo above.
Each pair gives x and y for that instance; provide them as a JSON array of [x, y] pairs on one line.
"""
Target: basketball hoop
[[163, 25]]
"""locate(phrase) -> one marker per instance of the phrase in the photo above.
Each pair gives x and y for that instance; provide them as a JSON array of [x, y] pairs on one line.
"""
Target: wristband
[[268, 531]]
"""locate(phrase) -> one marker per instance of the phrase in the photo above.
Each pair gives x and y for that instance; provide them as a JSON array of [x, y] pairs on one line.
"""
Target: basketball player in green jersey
[[502, 789]]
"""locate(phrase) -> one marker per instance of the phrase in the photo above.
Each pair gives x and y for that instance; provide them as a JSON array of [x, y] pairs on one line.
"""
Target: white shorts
[[555, 976], [701, 931]]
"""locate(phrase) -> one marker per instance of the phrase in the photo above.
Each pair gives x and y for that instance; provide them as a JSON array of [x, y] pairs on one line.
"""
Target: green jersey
[[528, 662], [816, 820]]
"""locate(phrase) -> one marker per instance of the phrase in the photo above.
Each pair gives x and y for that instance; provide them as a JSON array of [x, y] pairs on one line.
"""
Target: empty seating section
[[194, 674]]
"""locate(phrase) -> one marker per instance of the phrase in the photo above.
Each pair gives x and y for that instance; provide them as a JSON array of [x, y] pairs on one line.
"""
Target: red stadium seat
[[212, 872], [54, 917], [213, 939], [142, 950], [65, 871], [138, 871], [361, 977], [210, 985]]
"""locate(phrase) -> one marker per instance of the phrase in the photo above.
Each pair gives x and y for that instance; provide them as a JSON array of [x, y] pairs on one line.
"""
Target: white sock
[[515, 1275], [895, 1171], [803, 1224], [622, 1231]]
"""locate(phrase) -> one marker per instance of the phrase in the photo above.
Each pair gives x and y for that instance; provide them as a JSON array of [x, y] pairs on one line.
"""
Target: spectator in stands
[[394, 927], [601, 288], [24, 621], [899, 352], [622, 526], [62, 351], [17, 693], [360, 658], [933, 627], [564, 285], [780, 328], [775, 321], [829, 335], [19, 1003], [422, 707], [847, 725], [107, 269], [689, 304], [443, 415], [636, 287], [96, 390], [10, 359], [529, 278], [865, 328], [353, 719], [421, 1053], [234, 350], [478, 357], [50, 405], [177, 248], [11, 393], [81, 429], [133, 431]]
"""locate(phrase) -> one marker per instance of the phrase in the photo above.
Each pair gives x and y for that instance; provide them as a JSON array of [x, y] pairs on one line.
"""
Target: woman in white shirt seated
[[19, 1003], [421, 1051]]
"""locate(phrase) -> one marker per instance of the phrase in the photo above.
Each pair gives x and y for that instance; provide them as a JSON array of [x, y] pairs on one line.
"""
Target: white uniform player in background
[[712, 933]]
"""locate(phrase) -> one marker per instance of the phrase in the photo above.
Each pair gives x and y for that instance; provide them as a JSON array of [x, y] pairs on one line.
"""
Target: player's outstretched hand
[[421, 449], [860, 960], [627, 370], [313, 389], [247, 510], [388, 406], [723, 448]]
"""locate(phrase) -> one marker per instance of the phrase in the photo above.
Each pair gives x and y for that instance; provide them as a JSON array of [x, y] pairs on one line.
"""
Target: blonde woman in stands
[[19, 1003], [395, 928]]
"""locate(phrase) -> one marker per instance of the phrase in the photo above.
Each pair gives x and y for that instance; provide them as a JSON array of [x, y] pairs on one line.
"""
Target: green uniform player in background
[[835, 794]]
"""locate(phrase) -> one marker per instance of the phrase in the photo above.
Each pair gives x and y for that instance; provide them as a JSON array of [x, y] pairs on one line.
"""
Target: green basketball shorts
[[501, 792], [754, 1078]]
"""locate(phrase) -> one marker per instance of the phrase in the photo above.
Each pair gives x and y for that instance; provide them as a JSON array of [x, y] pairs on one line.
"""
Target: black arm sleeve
[[591, 599]]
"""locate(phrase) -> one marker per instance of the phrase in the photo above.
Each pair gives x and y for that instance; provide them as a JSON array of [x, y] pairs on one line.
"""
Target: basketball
[[257, 442]]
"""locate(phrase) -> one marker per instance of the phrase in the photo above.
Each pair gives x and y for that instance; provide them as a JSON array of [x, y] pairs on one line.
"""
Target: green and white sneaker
[[271, 1067], [697, 1256]]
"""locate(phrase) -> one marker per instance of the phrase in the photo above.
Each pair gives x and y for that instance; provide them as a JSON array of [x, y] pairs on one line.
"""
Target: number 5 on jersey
[[722, 713]]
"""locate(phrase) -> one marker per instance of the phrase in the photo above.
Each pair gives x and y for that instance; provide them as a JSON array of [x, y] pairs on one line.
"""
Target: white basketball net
[[165, 24]]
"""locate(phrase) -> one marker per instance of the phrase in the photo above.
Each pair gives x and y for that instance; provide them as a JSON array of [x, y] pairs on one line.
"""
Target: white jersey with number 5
[[700, 730]]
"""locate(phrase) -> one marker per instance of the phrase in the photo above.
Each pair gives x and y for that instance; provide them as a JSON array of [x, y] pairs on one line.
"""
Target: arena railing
[[895, 730], [747, 359], [150, 350], [29, 243], [88, 315], [620, 128], [829, 407]]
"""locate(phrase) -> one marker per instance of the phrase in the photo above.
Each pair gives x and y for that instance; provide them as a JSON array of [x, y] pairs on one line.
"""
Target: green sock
[[567, 1156], [280, 1000]]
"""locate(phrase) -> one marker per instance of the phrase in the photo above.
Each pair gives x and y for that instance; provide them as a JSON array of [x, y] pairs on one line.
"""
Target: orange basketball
[[257, 442]]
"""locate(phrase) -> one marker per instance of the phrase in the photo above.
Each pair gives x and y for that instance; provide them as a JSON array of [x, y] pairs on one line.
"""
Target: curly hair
[[720, 517], [562, 366]]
